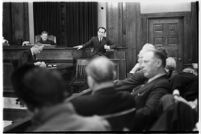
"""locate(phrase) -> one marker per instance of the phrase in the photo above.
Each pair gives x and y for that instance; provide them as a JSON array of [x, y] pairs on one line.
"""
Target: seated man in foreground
[[104, 99], [43, 92], [147, 95]]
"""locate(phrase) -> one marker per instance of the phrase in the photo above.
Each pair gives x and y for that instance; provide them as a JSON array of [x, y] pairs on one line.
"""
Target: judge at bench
[[99, 44], [44, 39]]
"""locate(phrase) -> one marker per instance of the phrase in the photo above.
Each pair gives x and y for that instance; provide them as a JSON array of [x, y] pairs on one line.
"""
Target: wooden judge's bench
[[60, 58], [63, 59]]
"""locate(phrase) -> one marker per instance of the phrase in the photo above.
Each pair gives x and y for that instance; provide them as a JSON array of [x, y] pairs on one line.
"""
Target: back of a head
[[159, 55], [188, 70], [101, 69], [171, 63], [38, 87]]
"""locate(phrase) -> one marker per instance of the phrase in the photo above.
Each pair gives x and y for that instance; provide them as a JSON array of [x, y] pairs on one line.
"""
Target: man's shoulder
[[162, 82], [84, 99]]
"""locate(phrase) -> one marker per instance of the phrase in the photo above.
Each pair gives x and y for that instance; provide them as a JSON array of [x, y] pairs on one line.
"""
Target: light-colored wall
[[31, 22], [102, 14], [147, 7], [159, 7]]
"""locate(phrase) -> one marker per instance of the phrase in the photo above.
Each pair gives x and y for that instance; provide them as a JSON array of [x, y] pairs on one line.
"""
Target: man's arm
[[87, 44], [129, 83]]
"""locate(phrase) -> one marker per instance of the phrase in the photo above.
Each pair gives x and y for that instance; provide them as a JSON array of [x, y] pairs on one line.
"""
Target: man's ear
[[90, 81], [159, 62]]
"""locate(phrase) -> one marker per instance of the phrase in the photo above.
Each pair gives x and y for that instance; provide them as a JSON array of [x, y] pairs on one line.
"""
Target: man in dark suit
[[104, 99], [43, 91], [100, 44], [29, 56], [44, 39], [147, 95]]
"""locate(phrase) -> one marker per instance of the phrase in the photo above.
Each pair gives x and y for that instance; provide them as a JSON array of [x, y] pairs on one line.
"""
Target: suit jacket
[[62, 117], [187, 84], [147, 98], [98, 46], [178, 117], [26, 57], [133, 81], [104, 101]]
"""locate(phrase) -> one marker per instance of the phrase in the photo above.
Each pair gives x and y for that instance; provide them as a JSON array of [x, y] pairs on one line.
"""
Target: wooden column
[[124, 25], [194, 28], [31, 22], [132, 23]]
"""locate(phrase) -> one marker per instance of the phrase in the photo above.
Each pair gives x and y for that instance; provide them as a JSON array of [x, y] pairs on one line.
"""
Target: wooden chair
[[79, 81], [50, 37]]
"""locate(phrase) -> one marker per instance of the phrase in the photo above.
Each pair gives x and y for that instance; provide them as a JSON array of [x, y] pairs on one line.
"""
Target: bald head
[[101, 69]]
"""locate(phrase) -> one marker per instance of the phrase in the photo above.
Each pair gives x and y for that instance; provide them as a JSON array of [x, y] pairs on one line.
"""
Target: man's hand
[[107, 47], [37, 63], [40, 64], [78, 47]]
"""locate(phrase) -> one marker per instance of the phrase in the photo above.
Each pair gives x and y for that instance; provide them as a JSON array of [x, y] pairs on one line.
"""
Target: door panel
[[168, 33]]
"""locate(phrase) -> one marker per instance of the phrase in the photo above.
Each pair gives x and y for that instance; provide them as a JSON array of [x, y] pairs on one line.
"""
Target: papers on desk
[[11, 103], [6, 123]]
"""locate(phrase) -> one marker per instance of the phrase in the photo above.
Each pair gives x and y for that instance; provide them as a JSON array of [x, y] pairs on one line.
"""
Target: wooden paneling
[[168, 33], [188, 48], [132, 23], [194, 28], [63, 57], [123, 24], [15, 114]]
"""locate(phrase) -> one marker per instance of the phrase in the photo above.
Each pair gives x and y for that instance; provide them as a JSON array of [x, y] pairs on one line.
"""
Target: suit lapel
[[140, 90]]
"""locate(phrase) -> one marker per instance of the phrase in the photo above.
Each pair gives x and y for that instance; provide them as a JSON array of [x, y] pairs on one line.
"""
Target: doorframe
[[186, 16]]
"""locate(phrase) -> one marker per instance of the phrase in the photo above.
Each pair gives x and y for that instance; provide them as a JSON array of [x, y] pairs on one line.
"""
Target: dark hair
[[161, 55], [38, 87], [44, 32], [102, 28]]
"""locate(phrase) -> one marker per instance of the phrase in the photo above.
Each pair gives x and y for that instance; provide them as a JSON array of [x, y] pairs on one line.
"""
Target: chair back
[[121, 121], [178, 117], [50, 37], [80, 74]]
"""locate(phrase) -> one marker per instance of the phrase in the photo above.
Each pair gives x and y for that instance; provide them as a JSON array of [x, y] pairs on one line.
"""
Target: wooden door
[[168, 33]]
